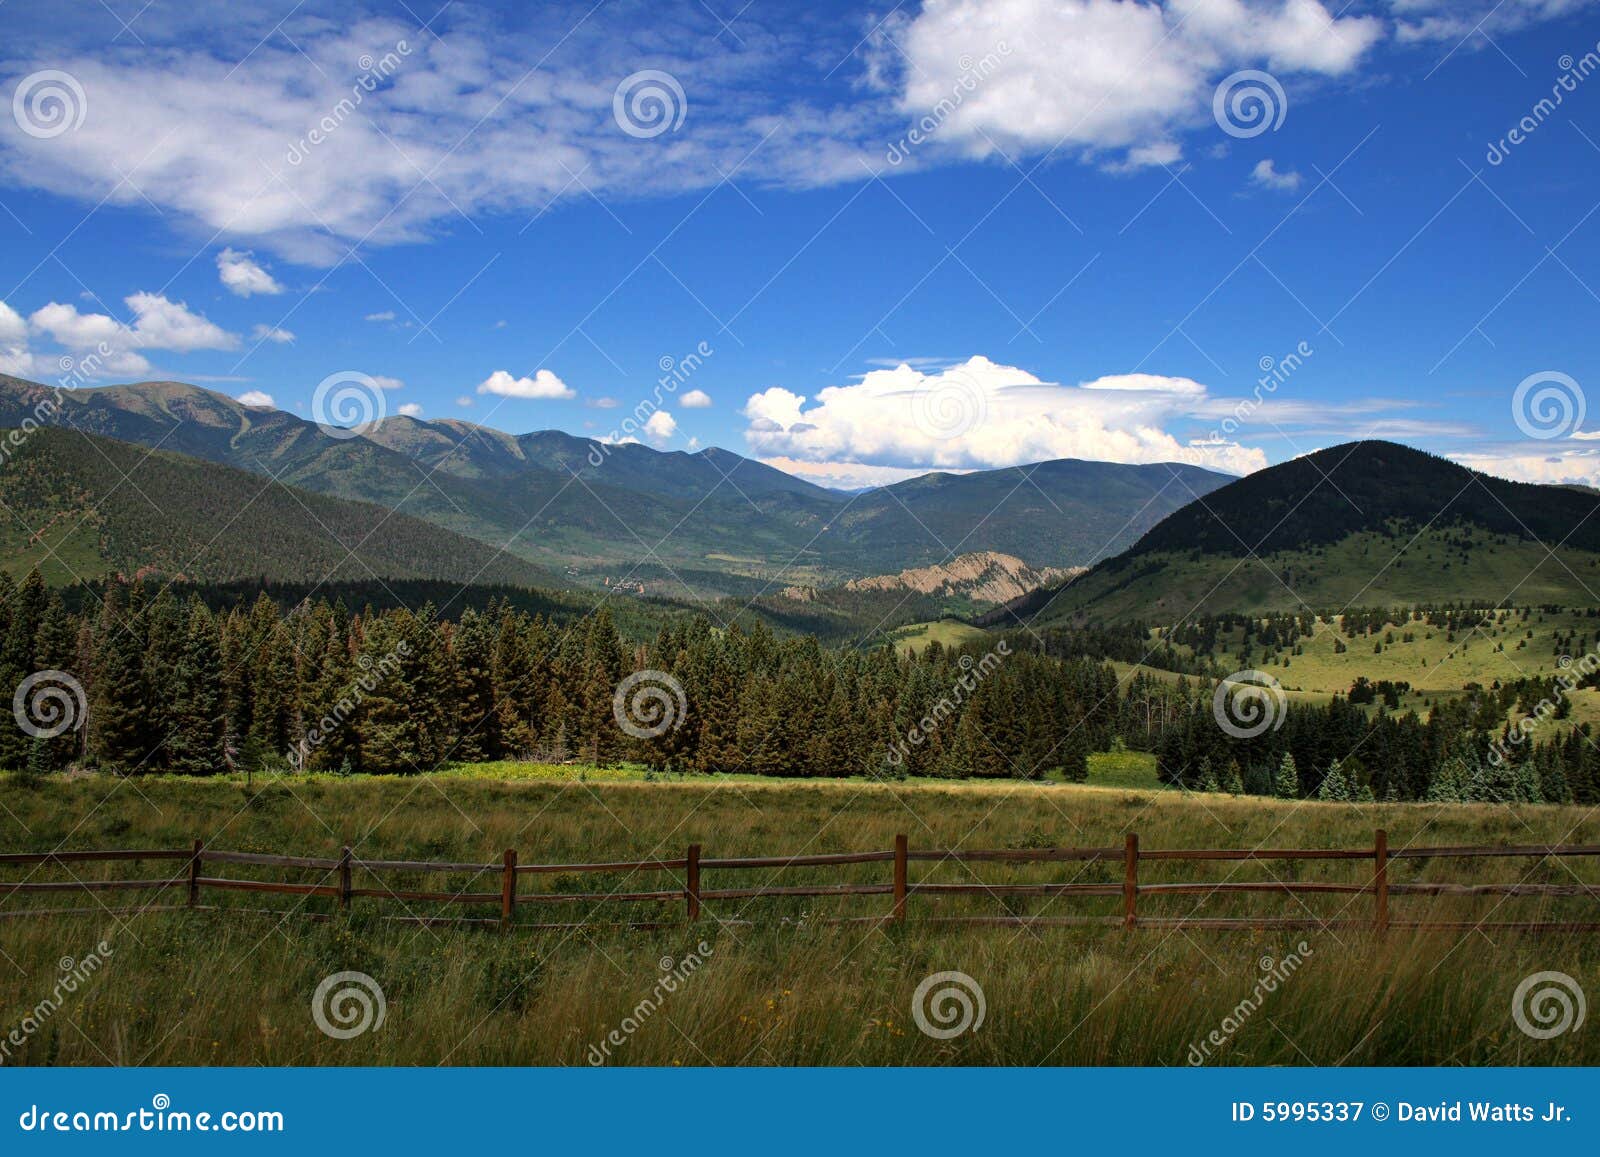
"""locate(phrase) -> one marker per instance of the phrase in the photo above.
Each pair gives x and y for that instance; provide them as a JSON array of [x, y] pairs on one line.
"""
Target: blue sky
[[1085, 253]]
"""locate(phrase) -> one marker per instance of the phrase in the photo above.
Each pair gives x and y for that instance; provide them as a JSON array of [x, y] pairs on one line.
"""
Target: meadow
[[774, 983]]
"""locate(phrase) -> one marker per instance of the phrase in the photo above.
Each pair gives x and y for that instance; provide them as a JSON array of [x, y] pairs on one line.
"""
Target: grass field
[[228, 987], [949, 632]]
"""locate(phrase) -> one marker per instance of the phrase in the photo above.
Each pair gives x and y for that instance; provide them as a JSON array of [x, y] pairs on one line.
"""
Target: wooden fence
[[193, 877]]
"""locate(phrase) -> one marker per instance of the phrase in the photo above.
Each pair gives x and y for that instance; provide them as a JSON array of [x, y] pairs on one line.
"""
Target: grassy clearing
[[949, 632], [232, 988]]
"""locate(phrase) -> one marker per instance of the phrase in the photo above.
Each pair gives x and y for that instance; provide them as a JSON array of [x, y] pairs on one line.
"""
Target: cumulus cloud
[[465, 402], [695, 400], [1099, 75], [384, 382], [258, 398], [660, 427], [411, 410], [158, 323], [271, 333], [12, 327], [1266, 173], [243, 276], [543, 384], [979, 415]]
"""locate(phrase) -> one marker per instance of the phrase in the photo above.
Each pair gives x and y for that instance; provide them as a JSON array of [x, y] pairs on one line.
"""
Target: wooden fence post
[[508, 889], [1380, 880], [691, 893], [344, 879], [900, 878], [194, 874], [1130, 879]]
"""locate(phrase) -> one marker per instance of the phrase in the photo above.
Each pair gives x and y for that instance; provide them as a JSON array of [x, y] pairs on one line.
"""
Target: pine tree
[[1286, 785], [1335, 786]]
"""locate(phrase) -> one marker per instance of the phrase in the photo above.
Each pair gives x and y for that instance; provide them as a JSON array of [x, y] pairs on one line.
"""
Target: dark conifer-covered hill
[[1374, 523], [1324, 497], [82, 507]]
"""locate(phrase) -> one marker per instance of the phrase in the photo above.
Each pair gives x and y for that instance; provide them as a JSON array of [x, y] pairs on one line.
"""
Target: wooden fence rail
[[337, 882]]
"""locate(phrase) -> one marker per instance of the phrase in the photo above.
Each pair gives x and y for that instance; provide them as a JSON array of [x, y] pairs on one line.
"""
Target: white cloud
[[465, 402], [695, 400], [12, 327], [844, 475], [385, 315], [243, 276], [1116, 80], [386, 383], [411, 410], [256, 398], [271, 333], [980, 415], [158, 323], [1462, 20], [1100, 75], [543, 384], [660, 427], [602, 403], [1266, 173]]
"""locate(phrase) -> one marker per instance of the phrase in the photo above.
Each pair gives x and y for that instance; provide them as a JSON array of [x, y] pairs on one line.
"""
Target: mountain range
[[670, 523]]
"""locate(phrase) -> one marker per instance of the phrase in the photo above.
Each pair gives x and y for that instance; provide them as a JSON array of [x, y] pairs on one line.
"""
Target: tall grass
[[777, 986]]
